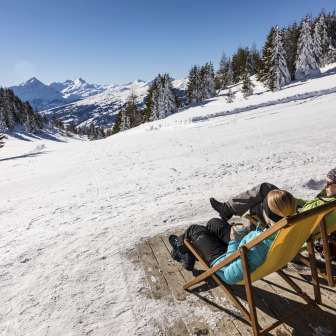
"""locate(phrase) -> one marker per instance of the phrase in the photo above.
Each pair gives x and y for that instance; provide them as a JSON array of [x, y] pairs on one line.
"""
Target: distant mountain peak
[[32, 81], [80, 80]]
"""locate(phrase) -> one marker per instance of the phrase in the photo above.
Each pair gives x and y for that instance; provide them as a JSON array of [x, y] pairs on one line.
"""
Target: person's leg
[[220, 228], [180, 252], [210, 241]]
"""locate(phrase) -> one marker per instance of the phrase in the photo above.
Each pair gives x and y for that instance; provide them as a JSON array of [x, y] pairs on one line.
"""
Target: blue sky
[[107, 41]]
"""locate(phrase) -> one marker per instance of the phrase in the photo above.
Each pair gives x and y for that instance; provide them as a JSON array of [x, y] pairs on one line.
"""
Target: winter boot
[[180, 254], [223, 209]]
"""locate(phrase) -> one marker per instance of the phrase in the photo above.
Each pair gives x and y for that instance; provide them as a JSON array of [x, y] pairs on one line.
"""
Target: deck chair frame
[[326, 272], [251, 314]]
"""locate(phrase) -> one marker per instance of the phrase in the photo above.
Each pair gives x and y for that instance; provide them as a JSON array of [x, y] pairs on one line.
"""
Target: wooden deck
[[274, 298]]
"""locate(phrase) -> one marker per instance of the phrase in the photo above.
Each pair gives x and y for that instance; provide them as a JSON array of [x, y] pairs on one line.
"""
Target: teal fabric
[[256, 256]]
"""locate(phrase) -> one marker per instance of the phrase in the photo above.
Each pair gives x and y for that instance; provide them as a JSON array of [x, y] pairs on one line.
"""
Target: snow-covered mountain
[[82, 103], [40, 95], [77, 89], [74, 211], [101, 109]]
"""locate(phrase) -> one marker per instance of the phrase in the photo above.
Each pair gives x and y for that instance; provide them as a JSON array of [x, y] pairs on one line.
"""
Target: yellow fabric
[[287, 244]]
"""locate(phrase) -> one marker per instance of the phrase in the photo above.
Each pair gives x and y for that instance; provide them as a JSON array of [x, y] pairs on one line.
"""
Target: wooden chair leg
[[249, 292], [326, 252], [315, 278], [225, 288]]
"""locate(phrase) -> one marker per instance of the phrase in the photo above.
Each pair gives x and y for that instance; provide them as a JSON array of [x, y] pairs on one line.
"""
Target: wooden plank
[[168, 268], [159, 289], [172, 272], [155, 279]]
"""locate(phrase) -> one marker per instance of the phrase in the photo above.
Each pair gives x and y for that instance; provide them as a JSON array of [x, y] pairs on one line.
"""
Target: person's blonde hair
[[281, 202]]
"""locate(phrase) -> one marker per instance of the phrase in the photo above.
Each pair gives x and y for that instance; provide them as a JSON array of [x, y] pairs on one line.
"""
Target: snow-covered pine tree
[[207, 81], [125, 121], [239, 60], [306, 63], [291, 36], [230, 73], [162, 100], [254, 60], [132, 111], [278, 72], [321, 40], [117, 123], [264, 72], [169, 99], [2, 140], [223, 76], [194, 86], [247, 88], [3, 125], [330, 20], [331, 55], [230, 96]]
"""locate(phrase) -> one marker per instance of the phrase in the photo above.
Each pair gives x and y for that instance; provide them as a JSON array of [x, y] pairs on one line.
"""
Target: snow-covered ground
[[70, 210]]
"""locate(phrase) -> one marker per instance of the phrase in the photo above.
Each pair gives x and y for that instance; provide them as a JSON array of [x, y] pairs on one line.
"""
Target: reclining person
[[218, 239], [252, 201]]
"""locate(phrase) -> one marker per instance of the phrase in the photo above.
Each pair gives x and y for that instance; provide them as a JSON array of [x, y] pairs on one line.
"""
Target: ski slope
[[70, 209]]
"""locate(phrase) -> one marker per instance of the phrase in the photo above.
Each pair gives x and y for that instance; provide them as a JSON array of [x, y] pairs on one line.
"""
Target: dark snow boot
[[222, 208], [180, 254]]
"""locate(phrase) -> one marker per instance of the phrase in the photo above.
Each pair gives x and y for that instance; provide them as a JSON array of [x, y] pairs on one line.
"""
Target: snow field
[[70, 211]]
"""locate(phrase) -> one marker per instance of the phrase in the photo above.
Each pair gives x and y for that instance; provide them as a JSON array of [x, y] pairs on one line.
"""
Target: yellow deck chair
[[291, 234]]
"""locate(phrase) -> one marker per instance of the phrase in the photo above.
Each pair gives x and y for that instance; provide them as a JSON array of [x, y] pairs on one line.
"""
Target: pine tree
[[306, 63], [125, 123], [321, 40], [264, 72], [161, 100], [117, 123], [291, 36], [207, 75], [239, 60], [2, 140], [3, 125], [223, 76], [278, 72], [194, 87], [132, 111], [330, 20], [254, 60], [230, 73], [247, 88], [230, 96]]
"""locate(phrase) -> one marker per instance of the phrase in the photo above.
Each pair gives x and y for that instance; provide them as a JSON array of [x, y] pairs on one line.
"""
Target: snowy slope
[[70, 210]]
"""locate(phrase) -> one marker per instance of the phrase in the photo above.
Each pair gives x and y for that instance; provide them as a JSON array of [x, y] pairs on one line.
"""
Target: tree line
[[292, 52], [13, 112]]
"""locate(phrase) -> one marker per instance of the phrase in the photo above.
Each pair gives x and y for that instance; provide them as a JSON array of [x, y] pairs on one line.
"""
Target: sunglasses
[[329, 183]]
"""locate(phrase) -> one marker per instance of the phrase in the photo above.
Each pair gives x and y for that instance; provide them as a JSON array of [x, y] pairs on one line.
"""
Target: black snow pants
[[211, 241]]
